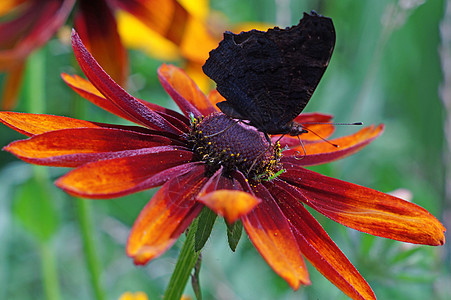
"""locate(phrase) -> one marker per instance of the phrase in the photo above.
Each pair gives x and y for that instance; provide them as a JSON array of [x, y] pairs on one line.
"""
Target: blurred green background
[[386, 68]]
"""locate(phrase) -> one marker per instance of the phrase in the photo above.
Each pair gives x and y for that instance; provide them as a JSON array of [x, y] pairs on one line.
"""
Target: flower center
[[221, 141]]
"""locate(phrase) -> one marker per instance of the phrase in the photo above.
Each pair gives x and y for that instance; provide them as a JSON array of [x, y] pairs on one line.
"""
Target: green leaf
[[206, 221], [195, 282], [186, 262], [403, 255], [234, 234], [35, 210]]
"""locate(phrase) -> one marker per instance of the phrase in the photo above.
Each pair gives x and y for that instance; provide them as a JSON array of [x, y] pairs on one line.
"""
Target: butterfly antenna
[[327, 123], [323, 139], [303, 149], [224, 130]]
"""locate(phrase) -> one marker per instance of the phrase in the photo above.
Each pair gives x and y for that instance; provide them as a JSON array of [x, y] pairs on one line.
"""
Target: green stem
[[185, 264], [373, 68], [35, 75], [35, 103], [49, 272], [87, 232]]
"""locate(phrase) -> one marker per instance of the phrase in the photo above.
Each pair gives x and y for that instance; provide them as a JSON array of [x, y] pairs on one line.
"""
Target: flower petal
[[323, 152], [32, 124], [172, 21], [8, 5], [111, 90], [34, 26], [166, 216], [124, 175], [88, 91], [224, 197], [365, 209], [167, 17], [215, 97], [317, 246], [270, 232], [96, 24], [184, 91], [11, 86], [74, 147]]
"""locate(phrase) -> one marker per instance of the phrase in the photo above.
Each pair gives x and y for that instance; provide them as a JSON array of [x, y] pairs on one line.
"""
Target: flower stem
[[87, 232], [35, 91], [49, 273], [185, 264], [34, 96]]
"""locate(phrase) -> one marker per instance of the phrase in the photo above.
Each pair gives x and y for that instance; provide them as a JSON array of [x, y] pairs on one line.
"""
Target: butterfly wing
[[268, 77]]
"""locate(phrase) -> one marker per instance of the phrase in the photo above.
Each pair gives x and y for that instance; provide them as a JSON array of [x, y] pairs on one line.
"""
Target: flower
[[134, 296], [203, 158], [29, 24], [202, 31]]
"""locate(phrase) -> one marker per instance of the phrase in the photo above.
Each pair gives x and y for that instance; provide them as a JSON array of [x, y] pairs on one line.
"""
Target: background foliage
[[386, 68]]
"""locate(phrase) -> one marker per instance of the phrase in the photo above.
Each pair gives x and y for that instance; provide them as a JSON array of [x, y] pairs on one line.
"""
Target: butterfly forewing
[[268, 77]]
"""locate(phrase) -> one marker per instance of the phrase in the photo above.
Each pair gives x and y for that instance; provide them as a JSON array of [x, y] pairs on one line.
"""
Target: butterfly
[[267, 78]]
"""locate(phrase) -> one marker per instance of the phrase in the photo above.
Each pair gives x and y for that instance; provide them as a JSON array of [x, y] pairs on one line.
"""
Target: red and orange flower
[[203, 158], [27, 25]]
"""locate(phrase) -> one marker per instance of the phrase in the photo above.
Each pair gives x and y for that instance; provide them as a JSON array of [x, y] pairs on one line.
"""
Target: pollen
[[221, 141]]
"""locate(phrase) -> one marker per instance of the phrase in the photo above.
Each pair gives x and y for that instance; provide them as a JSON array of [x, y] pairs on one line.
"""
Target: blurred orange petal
[[11, 86], [35, 25], [7, 5], [96, 24], [134, 296], [215, 97], [137, 35]]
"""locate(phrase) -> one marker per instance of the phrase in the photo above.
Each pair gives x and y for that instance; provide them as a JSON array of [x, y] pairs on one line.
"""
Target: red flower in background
[[204, 158], [29, 24]]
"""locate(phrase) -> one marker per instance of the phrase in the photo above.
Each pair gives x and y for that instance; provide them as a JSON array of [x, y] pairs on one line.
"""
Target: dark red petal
[[224, 197], [317, 246], [125, 175], [323, 152], [96, 24], [166, 216], [88, 91], [184, 91], [111, 90], [365, 209], [74, 147], [270, 232]]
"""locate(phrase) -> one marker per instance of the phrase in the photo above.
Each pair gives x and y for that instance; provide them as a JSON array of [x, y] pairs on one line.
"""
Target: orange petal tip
[[229, 204]]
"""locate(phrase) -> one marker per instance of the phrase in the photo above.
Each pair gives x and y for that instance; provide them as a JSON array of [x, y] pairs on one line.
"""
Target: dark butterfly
[[267, 78]]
